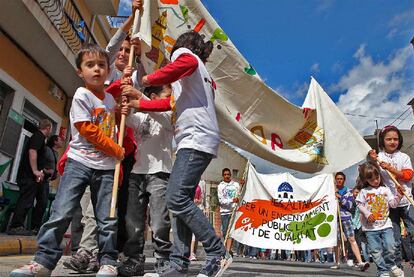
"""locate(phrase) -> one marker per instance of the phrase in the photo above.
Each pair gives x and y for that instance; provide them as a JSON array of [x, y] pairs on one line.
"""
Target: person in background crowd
[[30, 178], [53, 144], [228, 191]]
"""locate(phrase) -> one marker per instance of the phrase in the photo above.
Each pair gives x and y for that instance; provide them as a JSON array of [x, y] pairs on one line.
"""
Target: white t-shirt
[[153, 134], [226, 193], [87, 107], [399, 161], [195, 121], [376, 202]]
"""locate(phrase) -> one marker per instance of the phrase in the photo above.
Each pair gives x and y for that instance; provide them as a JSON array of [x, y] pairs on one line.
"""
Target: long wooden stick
[[341, 230], [399, 185], [121, 134]]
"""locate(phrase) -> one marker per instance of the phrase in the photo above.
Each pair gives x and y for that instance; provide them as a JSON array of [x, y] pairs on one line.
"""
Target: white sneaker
[[386, 274], [350, 263], [397, 272], [107, 271], [335, 266], [32, 269]]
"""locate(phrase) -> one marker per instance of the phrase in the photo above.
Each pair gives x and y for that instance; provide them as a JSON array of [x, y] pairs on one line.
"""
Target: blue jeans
[[71, 188], [406, 214], [381, 247], [147, 189], [225, 221], [187, 218], [308, 256]]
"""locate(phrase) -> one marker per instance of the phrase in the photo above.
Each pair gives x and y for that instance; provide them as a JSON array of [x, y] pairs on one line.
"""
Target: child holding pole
[[393, 161], [91, 161]]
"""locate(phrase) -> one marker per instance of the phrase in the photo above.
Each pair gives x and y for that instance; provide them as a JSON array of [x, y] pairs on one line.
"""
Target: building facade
[[38, 43]]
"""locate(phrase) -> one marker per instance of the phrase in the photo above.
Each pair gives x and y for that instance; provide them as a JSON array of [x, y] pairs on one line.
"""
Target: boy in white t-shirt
[[91, 161], [148, 185]]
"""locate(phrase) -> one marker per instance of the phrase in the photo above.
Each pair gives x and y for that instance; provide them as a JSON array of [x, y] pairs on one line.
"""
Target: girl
[[399, 164], [374, 202], [197, 136]]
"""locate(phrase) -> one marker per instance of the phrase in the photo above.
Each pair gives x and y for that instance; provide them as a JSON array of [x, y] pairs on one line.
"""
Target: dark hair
[[52, 141], [340, 173], [153, 89], [368, 170], [387, 129], [194, 42], [224, 170], [90, 48]]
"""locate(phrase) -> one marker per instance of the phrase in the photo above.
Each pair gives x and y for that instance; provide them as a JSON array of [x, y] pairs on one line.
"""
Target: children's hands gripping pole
[[135, 28], [373, 155]]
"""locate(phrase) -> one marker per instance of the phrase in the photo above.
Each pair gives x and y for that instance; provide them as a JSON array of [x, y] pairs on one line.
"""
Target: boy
[[147, 185], [91, 160], [228, 192]]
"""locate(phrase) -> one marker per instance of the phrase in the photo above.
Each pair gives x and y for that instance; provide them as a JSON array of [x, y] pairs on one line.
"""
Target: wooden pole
[[121, 133], [399, 185], [341, 230]]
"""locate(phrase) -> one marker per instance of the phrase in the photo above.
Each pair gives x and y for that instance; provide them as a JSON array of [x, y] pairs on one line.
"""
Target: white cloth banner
[[253, 117], [279, 211]]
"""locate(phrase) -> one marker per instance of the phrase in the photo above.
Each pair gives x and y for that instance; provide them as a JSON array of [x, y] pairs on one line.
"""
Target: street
[[240, 267]]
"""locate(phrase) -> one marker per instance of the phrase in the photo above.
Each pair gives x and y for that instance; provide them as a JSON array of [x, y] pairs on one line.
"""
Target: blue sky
[[359, 51]]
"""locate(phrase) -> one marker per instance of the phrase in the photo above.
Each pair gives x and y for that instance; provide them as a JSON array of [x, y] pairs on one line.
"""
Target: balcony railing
[[67, 19], [116, 21]]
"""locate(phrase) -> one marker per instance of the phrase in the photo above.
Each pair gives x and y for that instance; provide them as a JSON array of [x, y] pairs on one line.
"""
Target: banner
[[279, 211], [252, 116]]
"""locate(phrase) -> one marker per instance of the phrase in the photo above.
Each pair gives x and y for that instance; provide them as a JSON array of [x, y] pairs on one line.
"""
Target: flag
[[313, 138], [279, 211]]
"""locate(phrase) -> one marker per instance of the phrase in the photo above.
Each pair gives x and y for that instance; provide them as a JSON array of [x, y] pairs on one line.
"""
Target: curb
[[14, 245]]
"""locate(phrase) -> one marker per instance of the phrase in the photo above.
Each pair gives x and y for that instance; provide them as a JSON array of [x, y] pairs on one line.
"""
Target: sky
[[359, 51]]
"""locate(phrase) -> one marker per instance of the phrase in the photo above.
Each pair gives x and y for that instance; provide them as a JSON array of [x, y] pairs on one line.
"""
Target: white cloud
[[125, 7], [315, 68], [401, 24], [378, 90]]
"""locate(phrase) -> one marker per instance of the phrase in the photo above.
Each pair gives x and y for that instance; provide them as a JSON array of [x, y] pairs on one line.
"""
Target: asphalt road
[[241, 267]]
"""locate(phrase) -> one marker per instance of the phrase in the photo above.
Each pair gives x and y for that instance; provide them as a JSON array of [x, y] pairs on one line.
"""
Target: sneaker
[[167, 270], [216, 266], [107, 271], [131, 267], [93, 265], [161, 264], [350, 263], [19, 231], [397, 272], [386, 274], [193, 257], [335, 266], [79, 261], [33, 269], [363, 266]]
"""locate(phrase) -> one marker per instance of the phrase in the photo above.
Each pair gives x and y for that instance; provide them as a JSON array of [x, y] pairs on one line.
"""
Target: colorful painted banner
[[279, 211], [252, 116]]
